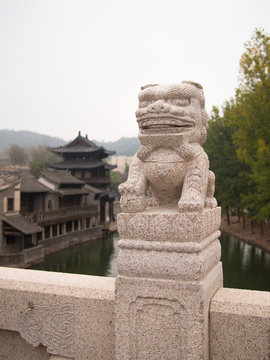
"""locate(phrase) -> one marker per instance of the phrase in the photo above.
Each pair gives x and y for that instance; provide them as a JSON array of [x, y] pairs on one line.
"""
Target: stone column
[[169, 260], [169, 269]]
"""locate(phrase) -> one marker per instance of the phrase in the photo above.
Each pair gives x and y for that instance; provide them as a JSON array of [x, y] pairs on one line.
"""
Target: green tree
[[17, 155], [251, 119], [115, 179], [230, 173], [126, 168], [41, 158]]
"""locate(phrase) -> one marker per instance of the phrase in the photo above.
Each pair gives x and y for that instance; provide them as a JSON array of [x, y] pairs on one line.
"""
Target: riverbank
[[256, 238], [32, 256]]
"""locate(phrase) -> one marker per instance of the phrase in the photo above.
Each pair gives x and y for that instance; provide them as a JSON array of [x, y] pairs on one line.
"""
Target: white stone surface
[[240, 325], [13, 347], [163, 319], [70, 315], [169, 225], [169, 260], [170, 167]]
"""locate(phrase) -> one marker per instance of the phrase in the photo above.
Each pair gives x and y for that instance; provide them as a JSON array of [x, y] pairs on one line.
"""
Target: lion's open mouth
[[165, 125]]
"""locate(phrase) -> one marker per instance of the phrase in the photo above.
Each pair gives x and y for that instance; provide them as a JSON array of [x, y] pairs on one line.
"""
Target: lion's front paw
[[128, 187], [132, 202], [190, 205], [211, 203]]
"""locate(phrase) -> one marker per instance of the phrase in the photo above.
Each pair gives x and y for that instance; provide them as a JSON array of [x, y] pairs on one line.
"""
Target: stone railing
[[46, 315]]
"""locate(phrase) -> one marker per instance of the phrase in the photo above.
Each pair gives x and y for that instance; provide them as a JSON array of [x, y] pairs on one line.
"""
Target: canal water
[[244, 266]]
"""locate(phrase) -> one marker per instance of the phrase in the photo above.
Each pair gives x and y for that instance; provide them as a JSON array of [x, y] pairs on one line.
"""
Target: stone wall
[[34, 255], [70, 239], [45, 315]]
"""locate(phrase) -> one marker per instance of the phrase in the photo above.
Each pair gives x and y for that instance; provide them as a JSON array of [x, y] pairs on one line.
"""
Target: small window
[[10, 204], [50, 205]]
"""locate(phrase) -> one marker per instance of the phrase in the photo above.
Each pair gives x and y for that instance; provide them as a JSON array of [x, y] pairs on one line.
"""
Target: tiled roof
[[78, 164], [72, 191], [92, 189], [60, 177], [22, 224], [30, 185], [81, 145], [7, 180]]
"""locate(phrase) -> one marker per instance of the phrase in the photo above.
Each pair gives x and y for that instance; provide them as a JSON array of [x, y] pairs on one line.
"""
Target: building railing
[[95, 180], [67, 213]]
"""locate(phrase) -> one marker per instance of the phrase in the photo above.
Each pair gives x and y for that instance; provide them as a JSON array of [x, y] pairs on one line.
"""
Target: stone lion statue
[[170, 168]]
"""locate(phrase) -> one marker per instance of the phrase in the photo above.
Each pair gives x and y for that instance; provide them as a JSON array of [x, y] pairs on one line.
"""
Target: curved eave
[[76, 165], [109, 152], [110, 167], [75, 150]]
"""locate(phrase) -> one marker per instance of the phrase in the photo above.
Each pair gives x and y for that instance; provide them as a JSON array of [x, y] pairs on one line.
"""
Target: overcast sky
[[70, 65]]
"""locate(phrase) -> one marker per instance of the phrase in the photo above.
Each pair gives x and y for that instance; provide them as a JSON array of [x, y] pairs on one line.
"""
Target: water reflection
[[244, 266], [93, 258]]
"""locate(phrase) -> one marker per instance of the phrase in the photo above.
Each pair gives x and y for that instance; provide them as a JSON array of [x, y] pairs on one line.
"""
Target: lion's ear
[[199, 86], [148, 85]]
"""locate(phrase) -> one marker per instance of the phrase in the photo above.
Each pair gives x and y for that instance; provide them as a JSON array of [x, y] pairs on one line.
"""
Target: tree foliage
[[17, 155], [241, 136], [41, 158], [116, 180], [251, 120], [230, 172]]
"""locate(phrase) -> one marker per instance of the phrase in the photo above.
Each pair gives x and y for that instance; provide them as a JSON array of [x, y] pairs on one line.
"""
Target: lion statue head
[[175, 110]]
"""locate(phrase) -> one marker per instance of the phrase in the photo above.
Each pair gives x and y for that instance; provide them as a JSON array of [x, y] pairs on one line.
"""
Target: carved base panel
[[164, 225], [164, 319], [168, 260]]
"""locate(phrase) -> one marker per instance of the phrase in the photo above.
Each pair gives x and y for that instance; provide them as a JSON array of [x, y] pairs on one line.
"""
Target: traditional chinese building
[[44, 215], [16, 231], [84, 159]]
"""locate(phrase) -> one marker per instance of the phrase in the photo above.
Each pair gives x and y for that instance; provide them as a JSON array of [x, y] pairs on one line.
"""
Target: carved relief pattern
[[50, 325], [172, 227], [148, 316]]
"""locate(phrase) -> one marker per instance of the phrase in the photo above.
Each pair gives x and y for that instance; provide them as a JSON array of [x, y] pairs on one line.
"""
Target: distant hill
[[123, 146], [27, 139]]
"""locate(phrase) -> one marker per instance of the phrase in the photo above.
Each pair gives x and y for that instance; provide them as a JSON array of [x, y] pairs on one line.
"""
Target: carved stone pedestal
[[169, 269]]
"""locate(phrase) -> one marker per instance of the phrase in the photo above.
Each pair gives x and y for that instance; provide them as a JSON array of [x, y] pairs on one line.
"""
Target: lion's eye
[[181, 102], [143, 104]]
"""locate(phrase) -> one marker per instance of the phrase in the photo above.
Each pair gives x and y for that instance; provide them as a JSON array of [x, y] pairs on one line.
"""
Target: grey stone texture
[[240, 325], [169, 260], [239, 319], [70, 316], [171, 166], [165, 285]]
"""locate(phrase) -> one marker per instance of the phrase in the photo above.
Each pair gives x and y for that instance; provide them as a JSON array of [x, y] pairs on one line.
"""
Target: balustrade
[[67, 213]]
